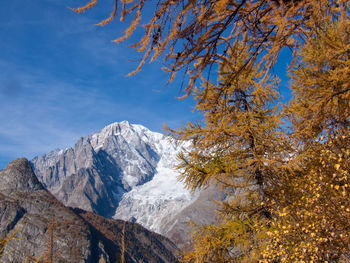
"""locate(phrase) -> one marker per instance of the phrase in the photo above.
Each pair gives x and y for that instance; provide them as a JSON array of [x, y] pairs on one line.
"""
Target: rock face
[[125, 171], [100, 168], [139, 243], [201, 211], [38, 226]]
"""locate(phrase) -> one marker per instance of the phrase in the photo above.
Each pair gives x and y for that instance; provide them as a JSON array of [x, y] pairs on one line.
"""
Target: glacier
[[125, 171]]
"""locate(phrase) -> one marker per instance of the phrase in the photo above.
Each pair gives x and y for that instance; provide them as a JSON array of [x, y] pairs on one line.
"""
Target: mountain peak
[[129, 175], [125, 131], [124, 122], [125, 125], [19, 176]]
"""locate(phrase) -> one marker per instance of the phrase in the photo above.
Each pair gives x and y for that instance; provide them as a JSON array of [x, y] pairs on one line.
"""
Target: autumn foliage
[[304, 169], [285, 168], [192, 36], [312, 221]]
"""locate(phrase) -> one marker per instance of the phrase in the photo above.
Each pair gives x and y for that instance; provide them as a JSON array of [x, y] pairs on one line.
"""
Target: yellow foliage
[[299, 208], [112, 15], [102, 259], [238, 147], [89, 5], [315, 211], [9, 236], [194, 35], [287, 187]]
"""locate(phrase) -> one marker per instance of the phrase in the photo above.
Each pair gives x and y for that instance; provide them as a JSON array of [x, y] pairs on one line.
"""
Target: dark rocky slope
[[138, 242], [43, 228], [125, 171]]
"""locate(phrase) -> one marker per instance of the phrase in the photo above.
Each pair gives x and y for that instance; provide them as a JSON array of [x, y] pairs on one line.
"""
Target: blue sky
[[61, 78]]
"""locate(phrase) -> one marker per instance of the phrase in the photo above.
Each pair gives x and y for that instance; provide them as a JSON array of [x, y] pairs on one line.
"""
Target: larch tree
[[240, 147], [192, 36], [288, 188], [312, 216], [291, 201]]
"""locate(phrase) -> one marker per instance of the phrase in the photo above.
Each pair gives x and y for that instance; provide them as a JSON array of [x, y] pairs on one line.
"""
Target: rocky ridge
[[43, 229], [125, 171]]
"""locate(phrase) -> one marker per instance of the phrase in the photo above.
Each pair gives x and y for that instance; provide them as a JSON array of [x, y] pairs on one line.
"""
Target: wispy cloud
[[42, 113], [61, 78]]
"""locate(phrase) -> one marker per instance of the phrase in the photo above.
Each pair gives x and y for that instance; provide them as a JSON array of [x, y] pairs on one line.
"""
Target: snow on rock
[[162, 197], [124, 171]]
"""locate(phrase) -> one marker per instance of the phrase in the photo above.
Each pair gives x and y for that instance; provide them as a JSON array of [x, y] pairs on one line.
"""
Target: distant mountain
[[125, 171], [42, 228]]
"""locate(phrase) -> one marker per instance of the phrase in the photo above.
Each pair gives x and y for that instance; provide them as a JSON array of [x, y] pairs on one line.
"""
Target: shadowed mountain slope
[[125, 171], [43, 228]]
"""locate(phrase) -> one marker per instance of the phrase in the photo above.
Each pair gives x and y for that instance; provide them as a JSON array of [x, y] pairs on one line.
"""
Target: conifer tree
[[288, 189], [50, 255], [312, 219], [192, 36], [306, 176], [239, 146]]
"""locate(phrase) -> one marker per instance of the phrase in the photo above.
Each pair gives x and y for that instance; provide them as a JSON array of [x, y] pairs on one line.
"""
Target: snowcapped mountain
[[125, 171]]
